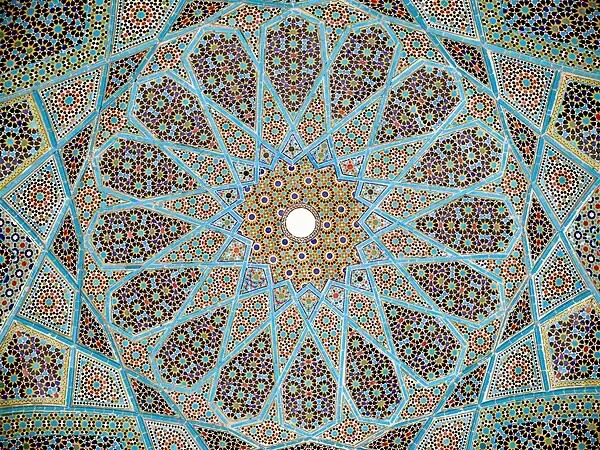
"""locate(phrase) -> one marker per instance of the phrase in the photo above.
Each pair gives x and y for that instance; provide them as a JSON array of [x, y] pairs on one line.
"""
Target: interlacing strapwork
[[315, 224]]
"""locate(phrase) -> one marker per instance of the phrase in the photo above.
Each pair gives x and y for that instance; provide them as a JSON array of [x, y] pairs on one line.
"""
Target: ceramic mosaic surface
[[152, 295]]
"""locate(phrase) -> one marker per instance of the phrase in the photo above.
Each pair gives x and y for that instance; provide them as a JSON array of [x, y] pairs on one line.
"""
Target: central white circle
[[300, 222]]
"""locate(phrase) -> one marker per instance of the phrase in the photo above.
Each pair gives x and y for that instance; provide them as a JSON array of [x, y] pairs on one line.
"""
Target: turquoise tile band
[[301, 225]]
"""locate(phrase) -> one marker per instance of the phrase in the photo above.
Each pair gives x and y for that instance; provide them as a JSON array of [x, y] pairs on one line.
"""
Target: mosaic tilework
[[153, 297]]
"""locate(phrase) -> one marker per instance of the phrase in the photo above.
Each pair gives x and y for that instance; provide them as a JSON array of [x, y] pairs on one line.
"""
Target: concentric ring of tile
[[154, 295]]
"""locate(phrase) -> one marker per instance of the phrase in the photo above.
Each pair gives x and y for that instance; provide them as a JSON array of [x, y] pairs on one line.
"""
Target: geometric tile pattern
[[154, 158]]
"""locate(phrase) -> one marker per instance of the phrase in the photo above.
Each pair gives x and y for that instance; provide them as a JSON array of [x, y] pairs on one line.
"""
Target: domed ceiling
[[308, 225]]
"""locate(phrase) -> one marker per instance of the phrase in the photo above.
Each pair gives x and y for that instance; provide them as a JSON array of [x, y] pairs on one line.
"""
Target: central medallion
[[303, 223]]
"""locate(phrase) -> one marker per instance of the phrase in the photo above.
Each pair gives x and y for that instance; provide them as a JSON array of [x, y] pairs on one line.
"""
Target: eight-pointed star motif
[[155, 155]]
